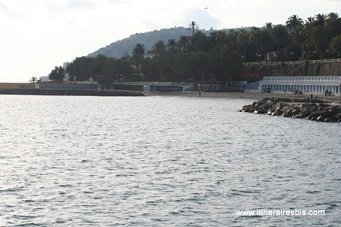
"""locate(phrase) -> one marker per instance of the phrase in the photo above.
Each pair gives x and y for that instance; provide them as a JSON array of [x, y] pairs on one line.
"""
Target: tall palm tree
[[138, 55], [332, 17], [295, 26], [268, 26], [332, 20], [294, 22], [33, 80], [193, 26], [333, 25], [309, 22], [320, 19]]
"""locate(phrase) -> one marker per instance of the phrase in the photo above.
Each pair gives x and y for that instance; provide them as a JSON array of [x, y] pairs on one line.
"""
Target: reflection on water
[[150, 161]]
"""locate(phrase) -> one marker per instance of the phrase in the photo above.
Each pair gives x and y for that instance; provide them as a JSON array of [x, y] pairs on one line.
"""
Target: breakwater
[[70, 92], [295, 108]]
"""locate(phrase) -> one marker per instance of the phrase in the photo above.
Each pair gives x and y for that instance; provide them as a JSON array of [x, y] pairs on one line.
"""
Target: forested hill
[[178, 55], [125, 46]]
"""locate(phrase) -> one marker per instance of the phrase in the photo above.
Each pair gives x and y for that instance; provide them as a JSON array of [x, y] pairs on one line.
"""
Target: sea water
[[162, 161]]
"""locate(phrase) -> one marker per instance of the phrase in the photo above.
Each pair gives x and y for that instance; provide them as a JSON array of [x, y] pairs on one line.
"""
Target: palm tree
[[309, 22], [294, 22], [332, 17], [333, 25], [33, 80], [138, 55], [332, 21], [320, 20], [194, 27], [295, 26], [268, 26]]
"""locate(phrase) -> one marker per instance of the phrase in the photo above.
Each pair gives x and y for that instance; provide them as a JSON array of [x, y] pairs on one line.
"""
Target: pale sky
[[37, 35]]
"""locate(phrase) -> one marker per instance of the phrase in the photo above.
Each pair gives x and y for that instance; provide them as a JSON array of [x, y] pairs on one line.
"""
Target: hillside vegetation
[[125, 46], [217, 56]]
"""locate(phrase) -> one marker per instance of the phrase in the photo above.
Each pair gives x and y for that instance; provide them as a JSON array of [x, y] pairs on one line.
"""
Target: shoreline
[[222, 95], [52, 92], [245, 95]]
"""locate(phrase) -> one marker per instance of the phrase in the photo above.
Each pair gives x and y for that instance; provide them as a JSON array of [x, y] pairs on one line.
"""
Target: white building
[[154, 86], [44, 78], [304, 84]]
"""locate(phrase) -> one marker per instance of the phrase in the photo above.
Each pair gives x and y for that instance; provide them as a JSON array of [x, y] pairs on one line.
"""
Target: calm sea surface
[[162, 161]]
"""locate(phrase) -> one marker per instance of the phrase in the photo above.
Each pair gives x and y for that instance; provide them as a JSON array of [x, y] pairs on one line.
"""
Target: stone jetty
[[296, 109]]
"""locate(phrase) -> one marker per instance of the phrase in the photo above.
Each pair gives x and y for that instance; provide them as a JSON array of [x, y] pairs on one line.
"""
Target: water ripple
[[161, 161]]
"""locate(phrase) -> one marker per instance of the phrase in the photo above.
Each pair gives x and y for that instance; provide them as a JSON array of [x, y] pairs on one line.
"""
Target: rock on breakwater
[[295, 109]]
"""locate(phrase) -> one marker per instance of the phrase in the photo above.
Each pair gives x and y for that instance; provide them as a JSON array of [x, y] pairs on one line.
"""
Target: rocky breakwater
[[294, 109]]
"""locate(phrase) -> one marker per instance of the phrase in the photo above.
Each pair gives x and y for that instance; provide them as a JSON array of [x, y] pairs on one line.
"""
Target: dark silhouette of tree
[[138, 51], [184, 44], [320, 20], [200, 42], [268, 26], [33, 80], [294, 22], [217, 56], [138, 56], [159, 48], [171, 46], [57, 73], [333, 24], [309, 22], [194, 27], [219, 41], [335, 45], [332, 17]]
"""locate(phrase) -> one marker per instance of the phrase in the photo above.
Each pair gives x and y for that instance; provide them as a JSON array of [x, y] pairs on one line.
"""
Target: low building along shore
[[326, 85], [6, 86]]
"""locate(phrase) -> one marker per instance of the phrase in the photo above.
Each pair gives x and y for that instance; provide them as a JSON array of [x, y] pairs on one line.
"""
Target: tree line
[[217, 56]]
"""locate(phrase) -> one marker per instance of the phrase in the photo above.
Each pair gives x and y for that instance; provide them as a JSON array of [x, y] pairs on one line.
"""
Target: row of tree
[[218, 56]]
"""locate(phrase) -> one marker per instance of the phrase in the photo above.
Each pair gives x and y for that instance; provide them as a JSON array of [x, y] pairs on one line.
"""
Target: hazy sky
[[37, 35]]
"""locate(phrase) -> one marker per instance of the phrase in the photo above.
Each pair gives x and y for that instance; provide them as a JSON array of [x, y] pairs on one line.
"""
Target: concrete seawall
[[69, 92], [296, 109]]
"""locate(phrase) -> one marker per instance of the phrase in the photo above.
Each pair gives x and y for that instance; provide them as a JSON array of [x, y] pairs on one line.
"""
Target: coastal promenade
[[60, 92], [246, 95]]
